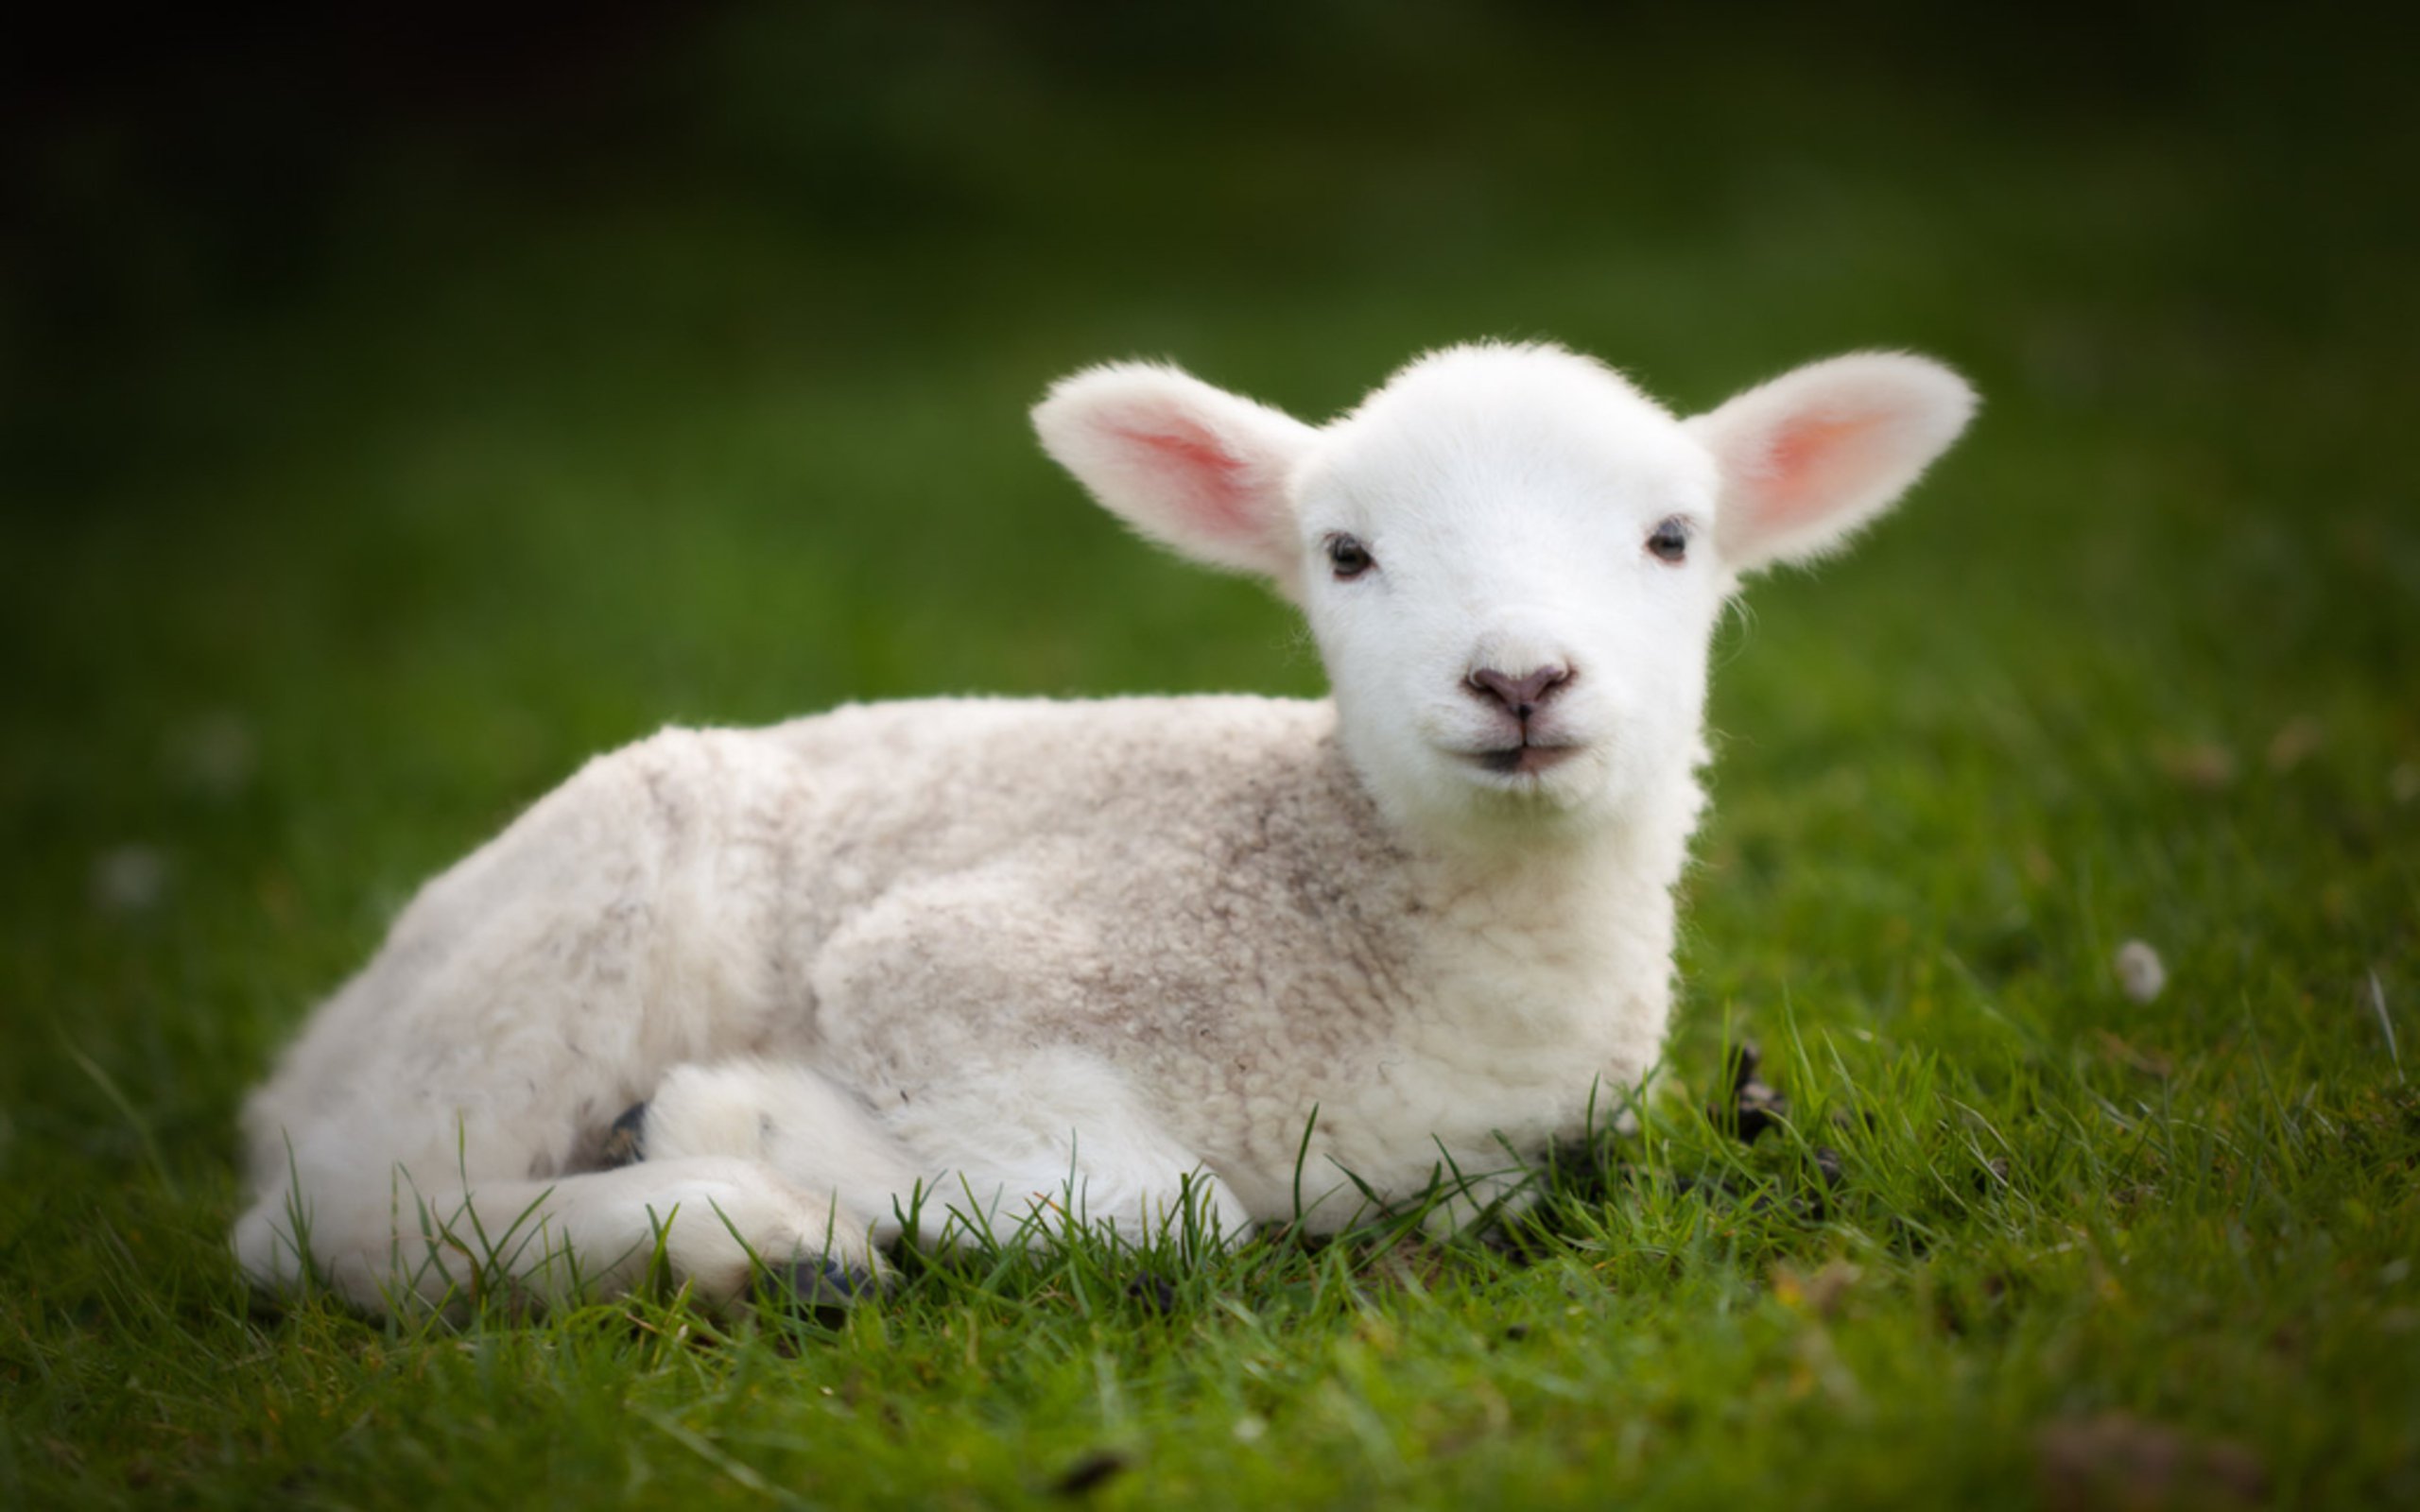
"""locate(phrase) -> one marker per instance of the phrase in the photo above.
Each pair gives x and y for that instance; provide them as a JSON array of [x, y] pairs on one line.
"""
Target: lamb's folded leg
[[1020, 1148], [1008, 1156], [386, 1238]]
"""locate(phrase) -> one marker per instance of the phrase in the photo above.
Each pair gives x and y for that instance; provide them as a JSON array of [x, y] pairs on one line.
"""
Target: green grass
[[718, 417]]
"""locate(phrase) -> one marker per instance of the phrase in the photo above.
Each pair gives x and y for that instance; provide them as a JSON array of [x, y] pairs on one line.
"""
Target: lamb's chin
[[1518, 761], [1529, 784]]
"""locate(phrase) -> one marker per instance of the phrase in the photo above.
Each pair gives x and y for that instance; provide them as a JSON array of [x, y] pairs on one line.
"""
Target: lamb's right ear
[[1190, 466]]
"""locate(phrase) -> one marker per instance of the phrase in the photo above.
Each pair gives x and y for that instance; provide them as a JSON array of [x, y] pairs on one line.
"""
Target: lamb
[[1226, 960]]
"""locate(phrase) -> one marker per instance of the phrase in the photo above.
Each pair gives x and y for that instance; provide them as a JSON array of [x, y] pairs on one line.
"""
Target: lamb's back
[[905, 790]]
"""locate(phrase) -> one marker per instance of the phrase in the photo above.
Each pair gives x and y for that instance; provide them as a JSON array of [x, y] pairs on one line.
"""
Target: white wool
[[1132, 961]]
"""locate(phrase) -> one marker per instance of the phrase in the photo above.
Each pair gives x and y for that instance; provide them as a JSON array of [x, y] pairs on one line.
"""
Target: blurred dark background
[[556, 183], [397, 407]]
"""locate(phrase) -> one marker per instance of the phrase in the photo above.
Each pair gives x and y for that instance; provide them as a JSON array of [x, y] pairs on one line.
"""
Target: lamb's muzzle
[[1521, 696]]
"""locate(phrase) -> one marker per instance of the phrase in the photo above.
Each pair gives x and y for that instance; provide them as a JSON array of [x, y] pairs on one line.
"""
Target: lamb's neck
[[1559, 959]]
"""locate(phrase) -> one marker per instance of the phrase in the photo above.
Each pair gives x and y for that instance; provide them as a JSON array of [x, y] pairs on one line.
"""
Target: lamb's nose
[[1522, 696]]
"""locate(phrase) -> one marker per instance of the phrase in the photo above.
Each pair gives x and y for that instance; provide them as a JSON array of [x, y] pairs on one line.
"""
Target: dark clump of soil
[[1090, 1473], [1753, 1105], [1595, 1171], [1152, 1291]]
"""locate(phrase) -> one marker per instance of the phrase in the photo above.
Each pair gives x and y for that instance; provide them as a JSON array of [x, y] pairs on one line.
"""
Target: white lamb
[[1119, 957]]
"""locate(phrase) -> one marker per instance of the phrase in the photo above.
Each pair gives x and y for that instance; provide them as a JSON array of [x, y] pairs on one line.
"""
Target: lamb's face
[[1507, 557], [1512, 558]]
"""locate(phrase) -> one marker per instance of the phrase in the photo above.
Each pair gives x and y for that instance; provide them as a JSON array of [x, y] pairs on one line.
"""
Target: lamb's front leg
[[963, 1020], [1024, 1143]]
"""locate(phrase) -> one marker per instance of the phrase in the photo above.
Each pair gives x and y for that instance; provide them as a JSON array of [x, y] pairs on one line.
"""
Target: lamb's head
[[1513, 560]]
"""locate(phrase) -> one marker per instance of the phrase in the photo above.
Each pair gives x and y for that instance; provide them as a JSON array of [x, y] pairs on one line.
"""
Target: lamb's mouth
[[1524, 760]]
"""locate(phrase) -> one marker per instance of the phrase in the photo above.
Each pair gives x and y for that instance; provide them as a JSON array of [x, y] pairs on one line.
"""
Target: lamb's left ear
[[1817, 452], [1190, 466]]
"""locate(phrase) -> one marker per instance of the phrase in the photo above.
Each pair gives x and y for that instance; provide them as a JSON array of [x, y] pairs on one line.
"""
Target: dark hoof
[[626, 1140], [824, 1290], [1153, 1292]]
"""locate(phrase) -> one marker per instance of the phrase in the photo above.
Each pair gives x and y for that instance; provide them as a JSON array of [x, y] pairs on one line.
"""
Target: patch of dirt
[[2120, 1463]]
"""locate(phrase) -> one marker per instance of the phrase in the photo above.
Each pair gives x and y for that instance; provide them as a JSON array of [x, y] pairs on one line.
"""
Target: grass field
[[342, 525]]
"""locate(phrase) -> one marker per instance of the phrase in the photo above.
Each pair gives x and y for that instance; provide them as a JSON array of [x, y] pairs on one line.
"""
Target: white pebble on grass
[[2140, 972]]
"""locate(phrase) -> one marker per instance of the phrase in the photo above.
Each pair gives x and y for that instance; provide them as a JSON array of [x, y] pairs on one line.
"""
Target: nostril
[[1520, 695]]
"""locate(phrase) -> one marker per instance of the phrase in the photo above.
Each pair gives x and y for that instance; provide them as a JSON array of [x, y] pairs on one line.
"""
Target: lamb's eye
[[1348, 556], [1669, 541]]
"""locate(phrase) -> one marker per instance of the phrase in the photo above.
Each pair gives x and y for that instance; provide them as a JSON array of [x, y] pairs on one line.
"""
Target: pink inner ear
[[1813, 463], [1216, 494]]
